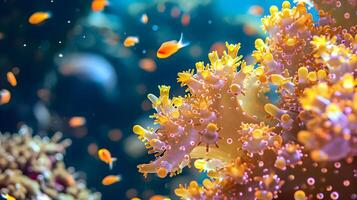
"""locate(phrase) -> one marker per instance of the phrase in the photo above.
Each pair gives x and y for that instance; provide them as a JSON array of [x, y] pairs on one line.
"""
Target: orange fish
[[105, 156], [77, 121], [144, 18], [11, 79], [5, 96], [170, 47], [39, 17], [131, 41], [99, 5], [111, 179]]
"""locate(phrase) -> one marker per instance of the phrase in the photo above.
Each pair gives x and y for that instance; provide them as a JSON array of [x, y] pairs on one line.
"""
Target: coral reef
[[250, 146], [32, 167]]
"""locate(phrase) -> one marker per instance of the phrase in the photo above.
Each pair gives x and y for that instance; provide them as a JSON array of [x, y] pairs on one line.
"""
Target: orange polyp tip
[[277, 140], [180, 192], [272, 110], [207, 183], [280, 163], [304, 136], [291, 42], [318, 156], [235, 88], [257, 134], [285, 117], [312, 76], [303, 72], [321, 74], [211, 127], [161, 172]]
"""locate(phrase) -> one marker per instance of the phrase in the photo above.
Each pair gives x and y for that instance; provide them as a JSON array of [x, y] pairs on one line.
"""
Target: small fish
[[111, 179], [6, 197], [170, 47], [77, 121], [131, 41], [99, 5], [39, 17], [147, 64], [5, 96], [105, 156], [144, 18], [11, 79]]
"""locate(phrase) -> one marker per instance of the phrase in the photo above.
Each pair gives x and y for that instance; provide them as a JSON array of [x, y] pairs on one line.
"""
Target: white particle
[[60, 55]]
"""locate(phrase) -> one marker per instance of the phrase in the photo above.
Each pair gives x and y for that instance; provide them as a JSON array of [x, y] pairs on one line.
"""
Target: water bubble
[[337, 165], [346, 183], [311, 181], [334, 195], [155, 27], [319, 195]]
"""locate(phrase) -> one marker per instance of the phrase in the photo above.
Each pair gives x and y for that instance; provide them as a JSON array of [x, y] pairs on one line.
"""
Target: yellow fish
[[170, 47]]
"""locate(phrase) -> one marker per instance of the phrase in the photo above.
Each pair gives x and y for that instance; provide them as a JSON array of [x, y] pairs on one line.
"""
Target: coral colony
[[301, 146], [32, 168]]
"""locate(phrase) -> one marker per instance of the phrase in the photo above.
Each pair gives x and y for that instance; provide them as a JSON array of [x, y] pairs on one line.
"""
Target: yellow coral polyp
[[184, 77], [139, 130]]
